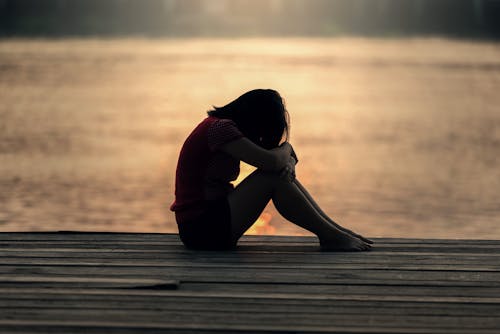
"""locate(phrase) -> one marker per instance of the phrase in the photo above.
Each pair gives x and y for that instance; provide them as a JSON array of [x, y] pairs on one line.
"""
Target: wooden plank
[[248, 254], [84, 281], [167, 259], [253, 303], [340, 309], [407, 292], [235, 258], [278, 291], [418, 241], [51, 326], [248, 265], [82, 235], [269, 275], [289, 281], [245, 241], [486, 250], [172, 237], [45, 252], [263, 320], [330, 293], [236, 316]]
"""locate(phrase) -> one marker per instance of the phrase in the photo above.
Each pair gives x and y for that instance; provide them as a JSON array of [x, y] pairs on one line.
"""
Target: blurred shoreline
[[278, 18]]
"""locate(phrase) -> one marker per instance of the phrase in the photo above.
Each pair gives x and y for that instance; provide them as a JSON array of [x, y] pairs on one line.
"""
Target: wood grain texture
[[149, 283]]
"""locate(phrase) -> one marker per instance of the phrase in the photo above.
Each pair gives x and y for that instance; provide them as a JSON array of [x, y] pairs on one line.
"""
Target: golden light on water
[[395, 137], [262, 225]]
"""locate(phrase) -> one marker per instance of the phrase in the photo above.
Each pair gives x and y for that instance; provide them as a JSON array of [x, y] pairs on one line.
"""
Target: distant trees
[[460, 18]]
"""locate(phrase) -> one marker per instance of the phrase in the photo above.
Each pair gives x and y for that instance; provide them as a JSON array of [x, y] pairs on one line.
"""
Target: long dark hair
[[260, 115]]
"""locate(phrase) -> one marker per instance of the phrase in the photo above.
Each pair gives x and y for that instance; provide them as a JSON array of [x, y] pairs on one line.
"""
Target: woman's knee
[[257, 187], [268, 176]]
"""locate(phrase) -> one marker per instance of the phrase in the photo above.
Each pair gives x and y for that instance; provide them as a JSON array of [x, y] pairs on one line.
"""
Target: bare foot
[[359, 236], [345, 243]]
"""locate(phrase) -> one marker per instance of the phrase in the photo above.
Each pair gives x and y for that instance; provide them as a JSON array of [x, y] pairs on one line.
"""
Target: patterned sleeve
[[221, 132]]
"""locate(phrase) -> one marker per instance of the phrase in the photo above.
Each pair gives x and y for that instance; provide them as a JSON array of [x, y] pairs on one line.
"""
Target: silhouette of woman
[[211, 214]]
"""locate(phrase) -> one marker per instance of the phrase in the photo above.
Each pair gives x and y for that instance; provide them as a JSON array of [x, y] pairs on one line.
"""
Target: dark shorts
[[211, 230]]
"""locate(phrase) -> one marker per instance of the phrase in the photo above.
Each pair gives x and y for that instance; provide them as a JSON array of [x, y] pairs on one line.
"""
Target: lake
[[396, 137]]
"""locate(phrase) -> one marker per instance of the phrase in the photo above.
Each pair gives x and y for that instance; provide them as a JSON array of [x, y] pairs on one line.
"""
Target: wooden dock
[[148, 283]]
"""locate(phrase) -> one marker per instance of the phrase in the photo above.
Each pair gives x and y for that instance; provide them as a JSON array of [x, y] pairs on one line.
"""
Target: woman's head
[[260, 114]]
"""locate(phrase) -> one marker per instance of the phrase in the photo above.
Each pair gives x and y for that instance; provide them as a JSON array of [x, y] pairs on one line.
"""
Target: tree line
[[458, 18]]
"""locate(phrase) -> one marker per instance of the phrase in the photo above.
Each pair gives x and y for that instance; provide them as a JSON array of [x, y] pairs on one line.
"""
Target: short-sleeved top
[[204, 172]]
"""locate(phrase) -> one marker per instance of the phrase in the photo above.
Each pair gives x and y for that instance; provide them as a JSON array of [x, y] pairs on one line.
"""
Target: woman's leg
[[251, 196], [322, 213]]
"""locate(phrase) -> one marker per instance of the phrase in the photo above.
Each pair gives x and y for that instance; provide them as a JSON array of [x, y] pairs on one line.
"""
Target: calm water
[[395, 137]]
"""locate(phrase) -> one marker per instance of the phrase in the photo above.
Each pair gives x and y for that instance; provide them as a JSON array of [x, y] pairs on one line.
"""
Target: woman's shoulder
[[209, 123], [221, 124], [215, 124], [221, 131]]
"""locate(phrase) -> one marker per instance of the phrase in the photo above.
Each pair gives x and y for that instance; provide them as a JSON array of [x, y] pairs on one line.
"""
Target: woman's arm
[[273, 160]]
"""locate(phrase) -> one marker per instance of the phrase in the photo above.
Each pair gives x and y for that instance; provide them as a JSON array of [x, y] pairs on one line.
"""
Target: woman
[[211, 214]]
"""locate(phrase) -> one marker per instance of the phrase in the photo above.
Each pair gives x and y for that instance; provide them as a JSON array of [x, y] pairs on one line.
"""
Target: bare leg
[[324, 215], [248, 200]]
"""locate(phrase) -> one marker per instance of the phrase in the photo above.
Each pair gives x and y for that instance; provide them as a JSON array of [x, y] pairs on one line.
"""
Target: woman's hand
[[288, 172], [245, 150]]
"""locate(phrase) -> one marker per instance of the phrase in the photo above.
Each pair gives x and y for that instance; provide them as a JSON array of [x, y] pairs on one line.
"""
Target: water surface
[[395, 137]]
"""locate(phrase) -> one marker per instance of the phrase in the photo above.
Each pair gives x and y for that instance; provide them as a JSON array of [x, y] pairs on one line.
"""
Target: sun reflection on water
[[395, 137], [262, 225]]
